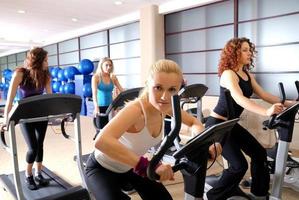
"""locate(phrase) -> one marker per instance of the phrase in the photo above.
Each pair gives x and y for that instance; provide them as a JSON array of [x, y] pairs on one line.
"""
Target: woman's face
[[245, 57], [161, 88], [107, 67]]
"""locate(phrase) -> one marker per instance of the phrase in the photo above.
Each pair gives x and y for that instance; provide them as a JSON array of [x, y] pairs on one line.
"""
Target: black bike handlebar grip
[[297, 86], [282, 93], [167, 141]]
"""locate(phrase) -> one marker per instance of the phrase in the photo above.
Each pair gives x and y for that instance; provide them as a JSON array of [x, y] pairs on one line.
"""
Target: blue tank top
[[104, 93], [221, 107]]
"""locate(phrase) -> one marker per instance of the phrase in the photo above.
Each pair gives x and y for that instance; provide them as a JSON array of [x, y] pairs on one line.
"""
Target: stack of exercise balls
[[63, 79], [86, 67], [4, 85]]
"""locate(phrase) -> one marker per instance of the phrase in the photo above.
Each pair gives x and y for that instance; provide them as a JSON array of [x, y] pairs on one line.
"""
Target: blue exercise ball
[[54, 72], [87, 92], [60, 75], [69, 88], [6, 86], [70, 72], [1, 86], [55, 86], [85, 67], [61, 89]]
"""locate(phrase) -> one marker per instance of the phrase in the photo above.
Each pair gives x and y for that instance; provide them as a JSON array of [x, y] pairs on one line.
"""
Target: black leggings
[[106, 185], [238, 141], [34, 134]]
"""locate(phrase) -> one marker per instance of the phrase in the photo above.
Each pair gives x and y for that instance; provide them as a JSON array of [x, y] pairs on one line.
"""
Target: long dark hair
[[34, 73], [231, 53]]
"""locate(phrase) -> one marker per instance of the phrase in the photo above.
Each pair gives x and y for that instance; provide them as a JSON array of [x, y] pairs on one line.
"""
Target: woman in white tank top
[[120, 147]]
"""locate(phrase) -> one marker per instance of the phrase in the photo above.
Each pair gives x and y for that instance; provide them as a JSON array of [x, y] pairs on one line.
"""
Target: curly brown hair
[[231, 53], [34, 73]]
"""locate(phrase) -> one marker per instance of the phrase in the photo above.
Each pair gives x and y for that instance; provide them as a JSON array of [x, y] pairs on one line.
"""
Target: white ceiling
[[49, 21]]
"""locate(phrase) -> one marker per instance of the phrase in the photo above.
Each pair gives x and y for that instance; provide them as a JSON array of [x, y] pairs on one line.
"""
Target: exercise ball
[[85, 67], [54, 72], [87, 90], [1, 86], [70, 72], [61, 89], [69, 88], [60, 75], [56, 85]]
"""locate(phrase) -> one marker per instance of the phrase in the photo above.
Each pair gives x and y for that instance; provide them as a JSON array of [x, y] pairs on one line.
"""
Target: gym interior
[[134, 35]]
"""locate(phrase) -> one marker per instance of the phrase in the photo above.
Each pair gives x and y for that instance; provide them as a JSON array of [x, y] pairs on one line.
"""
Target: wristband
[[141, 166]]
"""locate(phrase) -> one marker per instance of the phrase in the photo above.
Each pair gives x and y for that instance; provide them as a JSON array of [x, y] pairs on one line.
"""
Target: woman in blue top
[[32, 79], [103, 83], [235, 62]]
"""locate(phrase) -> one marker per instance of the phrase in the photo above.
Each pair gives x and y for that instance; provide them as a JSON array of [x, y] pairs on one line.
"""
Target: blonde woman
[[120, 147], [104, 82]]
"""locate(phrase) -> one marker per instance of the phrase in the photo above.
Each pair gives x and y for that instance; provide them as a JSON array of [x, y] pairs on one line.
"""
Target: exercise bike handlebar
[[271, 122], [167, 141], [297, 87]]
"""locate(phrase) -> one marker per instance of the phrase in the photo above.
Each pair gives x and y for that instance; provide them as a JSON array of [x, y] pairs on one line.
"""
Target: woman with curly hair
[[234, 71], [32, 79]]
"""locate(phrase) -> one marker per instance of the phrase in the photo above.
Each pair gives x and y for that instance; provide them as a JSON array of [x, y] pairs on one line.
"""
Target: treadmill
[[43, 108]]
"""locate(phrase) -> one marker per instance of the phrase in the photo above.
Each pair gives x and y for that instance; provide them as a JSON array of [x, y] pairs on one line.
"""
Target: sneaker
[[41, 180], [31, 183]]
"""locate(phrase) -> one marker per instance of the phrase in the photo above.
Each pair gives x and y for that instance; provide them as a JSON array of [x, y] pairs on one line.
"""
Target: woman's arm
[[266, 96], [108, 142], [16, 79], [94, 85], [116, 83], [48, 87], [196, 128], [230, 80]]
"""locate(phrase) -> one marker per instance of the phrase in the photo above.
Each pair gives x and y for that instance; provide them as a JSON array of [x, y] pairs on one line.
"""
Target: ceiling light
[[118, 3], [21, 11], [74, 19]]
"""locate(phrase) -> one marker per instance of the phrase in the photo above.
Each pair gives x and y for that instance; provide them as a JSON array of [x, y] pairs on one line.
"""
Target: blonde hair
[[163, 65], [100, 65]]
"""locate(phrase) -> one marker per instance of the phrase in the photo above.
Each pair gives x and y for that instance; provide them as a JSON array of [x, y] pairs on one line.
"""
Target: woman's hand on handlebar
[[165, 172], [274, 109], [215, 150], [96, 111]]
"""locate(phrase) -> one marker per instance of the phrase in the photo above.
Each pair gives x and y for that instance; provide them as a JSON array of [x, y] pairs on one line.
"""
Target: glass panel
[[270, 83], [20, 63], [130, 81], [52, 49], [93, 40], [12, 58], [127, 66], [21, 56], [69, 45], [211, 15], [279, 58], [69, 58], [254, 9], [53, 60], [204, 62], [199, 40], [271, 31], [124, 50], [12, 65], [210, 80], [94, 53], [3, 60], [124, 33]]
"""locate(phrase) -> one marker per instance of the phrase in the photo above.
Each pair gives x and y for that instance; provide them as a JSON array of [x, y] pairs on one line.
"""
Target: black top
[[221, 107]]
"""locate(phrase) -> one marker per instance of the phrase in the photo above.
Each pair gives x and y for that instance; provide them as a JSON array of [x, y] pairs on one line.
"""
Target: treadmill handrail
[[23, 109]]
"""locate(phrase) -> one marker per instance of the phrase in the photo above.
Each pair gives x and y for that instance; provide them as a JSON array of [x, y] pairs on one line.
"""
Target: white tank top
[[137, 142]]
